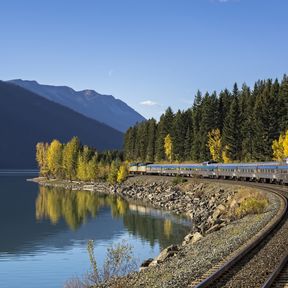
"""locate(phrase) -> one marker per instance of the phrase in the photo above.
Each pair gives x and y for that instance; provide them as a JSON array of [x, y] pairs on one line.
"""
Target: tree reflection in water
[[75, 207]]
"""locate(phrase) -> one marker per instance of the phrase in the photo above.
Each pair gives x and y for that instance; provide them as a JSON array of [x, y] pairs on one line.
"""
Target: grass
[[179, 180], [248, 201]]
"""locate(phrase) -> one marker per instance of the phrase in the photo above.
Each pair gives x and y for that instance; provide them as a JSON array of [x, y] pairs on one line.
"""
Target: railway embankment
[[224, 217]]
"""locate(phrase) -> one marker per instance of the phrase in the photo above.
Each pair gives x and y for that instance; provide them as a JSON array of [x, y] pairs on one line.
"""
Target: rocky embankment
[[205, 204]]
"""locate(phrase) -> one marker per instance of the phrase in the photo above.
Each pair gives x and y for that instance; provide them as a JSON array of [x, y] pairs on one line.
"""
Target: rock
[[145, 264], [165, 254], [196, 237], [214, 228]]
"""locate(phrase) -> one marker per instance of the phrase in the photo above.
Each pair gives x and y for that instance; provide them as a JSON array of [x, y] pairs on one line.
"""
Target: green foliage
[[251, 205], [113, 172], [249, 121], [178, 180]]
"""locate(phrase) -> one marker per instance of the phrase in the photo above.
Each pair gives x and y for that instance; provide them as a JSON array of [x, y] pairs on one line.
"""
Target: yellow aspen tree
[[122, 173], [41, 157], [81, 171], [285, 145], [112, 175], [70, 157], [225, 156], [54, 158], [215, 144], [280, 147], [168, 147]]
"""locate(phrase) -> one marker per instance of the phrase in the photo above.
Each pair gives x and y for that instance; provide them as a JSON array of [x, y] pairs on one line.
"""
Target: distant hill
[[26, 118], [103, 108]]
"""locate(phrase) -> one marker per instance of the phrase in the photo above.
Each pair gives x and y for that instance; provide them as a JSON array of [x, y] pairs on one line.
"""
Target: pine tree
[[178, 134], [164, 127], [196, 120], [231, 132], [152, 126]]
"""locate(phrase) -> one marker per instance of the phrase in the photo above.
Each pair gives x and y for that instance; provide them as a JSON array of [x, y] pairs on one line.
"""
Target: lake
[[45, 231]]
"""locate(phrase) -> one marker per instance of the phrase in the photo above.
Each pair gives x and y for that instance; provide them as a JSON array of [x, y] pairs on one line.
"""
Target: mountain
[[103, 108], [26, 118]]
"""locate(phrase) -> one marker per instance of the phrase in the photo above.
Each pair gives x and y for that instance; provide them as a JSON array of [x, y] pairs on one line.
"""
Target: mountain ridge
[[103, 108]]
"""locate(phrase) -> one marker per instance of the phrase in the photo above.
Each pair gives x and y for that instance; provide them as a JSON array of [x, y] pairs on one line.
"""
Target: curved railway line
[[256, 263]]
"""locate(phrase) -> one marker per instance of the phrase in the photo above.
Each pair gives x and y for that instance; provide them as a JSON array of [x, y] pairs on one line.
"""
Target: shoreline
[[206, 204]]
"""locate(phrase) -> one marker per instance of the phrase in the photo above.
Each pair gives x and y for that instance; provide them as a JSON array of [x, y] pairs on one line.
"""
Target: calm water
[[44, 232]]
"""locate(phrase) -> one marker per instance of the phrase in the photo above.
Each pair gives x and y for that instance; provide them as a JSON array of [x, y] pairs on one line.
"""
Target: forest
[[247, 124], [74, 161]]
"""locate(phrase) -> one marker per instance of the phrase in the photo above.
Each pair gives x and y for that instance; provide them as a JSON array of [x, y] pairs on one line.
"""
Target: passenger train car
[[270, 172]]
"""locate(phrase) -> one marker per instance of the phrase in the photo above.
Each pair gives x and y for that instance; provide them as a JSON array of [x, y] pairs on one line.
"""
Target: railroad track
[[249, 266], [279, 277]]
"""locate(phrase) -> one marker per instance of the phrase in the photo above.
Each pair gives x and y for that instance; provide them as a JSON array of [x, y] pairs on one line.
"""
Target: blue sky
[[149, 53]]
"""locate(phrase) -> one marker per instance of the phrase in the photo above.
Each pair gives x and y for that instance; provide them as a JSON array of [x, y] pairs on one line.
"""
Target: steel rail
[[276, 273]]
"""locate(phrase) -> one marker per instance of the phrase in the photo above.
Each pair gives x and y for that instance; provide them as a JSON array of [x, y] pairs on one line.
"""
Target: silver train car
[[267, 172]]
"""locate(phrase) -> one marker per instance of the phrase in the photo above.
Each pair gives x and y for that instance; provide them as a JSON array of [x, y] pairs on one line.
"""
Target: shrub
[[178, 180], [118, 262], [251, 205]]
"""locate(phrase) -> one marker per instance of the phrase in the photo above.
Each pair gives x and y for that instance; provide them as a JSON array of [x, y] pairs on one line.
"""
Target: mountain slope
[[103, 108], [26, 118]]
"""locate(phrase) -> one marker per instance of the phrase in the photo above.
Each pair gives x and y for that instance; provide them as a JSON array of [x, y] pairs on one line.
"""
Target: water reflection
[[76, 207], [52, 242]]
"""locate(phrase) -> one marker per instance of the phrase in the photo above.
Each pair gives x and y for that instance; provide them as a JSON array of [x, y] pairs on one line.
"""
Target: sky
[[149, 53]]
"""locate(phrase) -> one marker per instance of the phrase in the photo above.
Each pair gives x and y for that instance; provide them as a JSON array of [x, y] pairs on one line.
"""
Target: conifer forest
[[245, 124]]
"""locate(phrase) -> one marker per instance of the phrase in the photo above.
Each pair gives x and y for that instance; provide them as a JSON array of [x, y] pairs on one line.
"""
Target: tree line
[[237, 125], [74, 161]]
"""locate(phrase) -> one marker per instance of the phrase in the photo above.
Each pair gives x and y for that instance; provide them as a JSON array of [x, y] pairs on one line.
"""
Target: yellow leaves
[[54, 157], [167, 228], [280, 147], [168, 147], [41, 157], [215, 144], [285, 144], [225, 156], [122, 173]]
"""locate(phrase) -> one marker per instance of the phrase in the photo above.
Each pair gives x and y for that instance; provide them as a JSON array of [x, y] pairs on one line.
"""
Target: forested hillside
[[241, 124]]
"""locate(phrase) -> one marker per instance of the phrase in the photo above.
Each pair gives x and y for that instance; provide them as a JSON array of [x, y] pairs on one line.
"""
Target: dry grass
[[248, 201]]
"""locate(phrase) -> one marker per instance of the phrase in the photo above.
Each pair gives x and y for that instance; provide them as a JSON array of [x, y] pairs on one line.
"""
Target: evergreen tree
[[151, 139], [178, 134], [164, 127], [196, 120], [231, 132]]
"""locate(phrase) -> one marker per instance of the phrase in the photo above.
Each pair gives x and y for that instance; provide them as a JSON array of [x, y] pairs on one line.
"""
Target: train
[[266, 172]]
